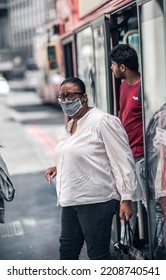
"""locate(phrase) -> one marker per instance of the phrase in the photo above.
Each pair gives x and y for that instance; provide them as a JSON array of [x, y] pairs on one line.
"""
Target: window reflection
[[101, 90], [91, 65], [85, 62]]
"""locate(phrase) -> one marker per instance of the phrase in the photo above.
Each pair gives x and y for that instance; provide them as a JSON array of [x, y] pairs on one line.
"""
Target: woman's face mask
[[71, 107]]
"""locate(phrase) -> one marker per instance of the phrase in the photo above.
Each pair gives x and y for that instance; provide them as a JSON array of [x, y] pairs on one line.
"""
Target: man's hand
[[50, 174], [126, 210]]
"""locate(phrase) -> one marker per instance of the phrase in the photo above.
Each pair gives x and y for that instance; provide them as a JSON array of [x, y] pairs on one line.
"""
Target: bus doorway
[[124, 29]]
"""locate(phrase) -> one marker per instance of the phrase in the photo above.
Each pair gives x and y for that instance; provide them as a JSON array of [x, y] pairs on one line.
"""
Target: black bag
[[125, 251], [159, 250]]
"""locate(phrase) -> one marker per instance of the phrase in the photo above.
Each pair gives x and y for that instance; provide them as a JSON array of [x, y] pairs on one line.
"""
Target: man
[[125, 66]]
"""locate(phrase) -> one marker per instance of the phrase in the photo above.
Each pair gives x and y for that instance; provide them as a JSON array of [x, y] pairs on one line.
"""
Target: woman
[[94, 171]]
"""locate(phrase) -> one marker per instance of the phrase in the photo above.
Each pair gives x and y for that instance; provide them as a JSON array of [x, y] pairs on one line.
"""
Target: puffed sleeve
[[120, 157]]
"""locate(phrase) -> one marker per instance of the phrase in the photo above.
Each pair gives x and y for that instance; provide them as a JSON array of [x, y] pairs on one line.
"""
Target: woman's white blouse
[[95, 164]]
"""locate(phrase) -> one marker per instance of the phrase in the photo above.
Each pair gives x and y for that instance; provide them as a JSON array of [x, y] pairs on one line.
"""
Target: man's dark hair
[[75, 81], [125, 54]]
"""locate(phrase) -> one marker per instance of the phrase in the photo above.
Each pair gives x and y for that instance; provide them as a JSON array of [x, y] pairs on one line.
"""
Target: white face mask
[[71, 107]]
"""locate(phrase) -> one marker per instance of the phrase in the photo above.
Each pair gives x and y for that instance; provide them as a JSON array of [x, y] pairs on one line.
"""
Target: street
[[29, 133]]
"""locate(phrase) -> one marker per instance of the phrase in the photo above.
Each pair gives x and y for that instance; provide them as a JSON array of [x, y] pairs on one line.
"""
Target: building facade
[[24, 17], [5, 55]]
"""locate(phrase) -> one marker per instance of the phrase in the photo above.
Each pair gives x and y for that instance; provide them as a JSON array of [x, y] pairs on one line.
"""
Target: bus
[[49, 60], [87, 32]]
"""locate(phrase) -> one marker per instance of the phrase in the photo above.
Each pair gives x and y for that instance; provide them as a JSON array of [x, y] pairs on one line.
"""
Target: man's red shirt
[[131, 116]]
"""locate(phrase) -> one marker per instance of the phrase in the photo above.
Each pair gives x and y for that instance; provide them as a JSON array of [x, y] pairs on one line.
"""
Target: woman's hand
[[126, 210], [50, 174]]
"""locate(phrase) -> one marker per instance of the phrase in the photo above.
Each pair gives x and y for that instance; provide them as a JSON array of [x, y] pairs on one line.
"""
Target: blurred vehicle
[[18, 72], [31, 75], [49, 59], [18, 68], [48, 87], [4, 86], [6, 68], [31, 79]]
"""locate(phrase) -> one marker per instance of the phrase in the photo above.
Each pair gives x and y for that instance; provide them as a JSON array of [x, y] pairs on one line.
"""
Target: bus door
[[124, 29], [92, 62], [152, 15]]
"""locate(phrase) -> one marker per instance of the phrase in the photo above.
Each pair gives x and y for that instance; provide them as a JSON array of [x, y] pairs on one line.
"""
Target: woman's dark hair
[[76, 81], [125, 54]]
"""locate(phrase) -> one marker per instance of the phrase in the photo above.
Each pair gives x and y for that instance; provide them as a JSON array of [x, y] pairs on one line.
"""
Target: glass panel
[[101, 90], [85, 62], [132, 38], [154, 83], [153, 59]]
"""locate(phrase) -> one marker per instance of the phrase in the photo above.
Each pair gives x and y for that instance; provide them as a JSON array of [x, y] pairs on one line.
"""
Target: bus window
[[52, 61], [85, 62], [132, 38], [91, 54], [153, 49]]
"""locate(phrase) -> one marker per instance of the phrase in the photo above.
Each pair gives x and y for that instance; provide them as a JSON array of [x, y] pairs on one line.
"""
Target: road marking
[[11, 229], [46, 140], [29, 222]]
